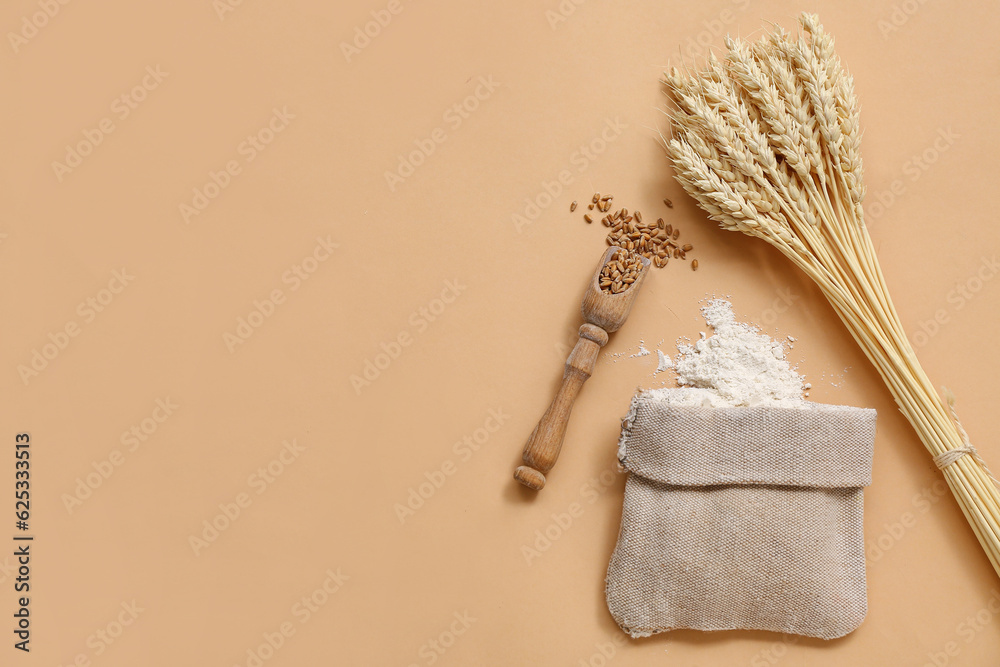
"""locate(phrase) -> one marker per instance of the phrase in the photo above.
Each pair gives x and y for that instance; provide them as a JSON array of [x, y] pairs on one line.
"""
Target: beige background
[[929, 80]]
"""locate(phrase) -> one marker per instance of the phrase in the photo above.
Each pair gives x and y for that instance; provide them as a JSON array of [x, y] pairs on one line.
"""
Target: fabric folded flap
[[823, 446]]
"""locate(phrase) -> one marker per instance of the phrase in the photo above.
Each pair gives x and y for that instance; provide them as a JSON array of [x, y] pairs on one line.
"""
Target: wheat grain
[[620, 271]]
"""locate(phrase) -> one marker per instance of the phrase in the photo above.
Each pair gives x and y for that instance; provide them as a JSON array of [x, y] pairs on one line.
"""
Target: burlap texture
[[742, 518]]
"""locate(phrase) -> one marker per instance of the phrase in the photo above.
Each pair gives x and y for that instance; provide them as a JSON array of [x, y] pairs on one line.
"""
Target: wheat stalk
[[767, 141]]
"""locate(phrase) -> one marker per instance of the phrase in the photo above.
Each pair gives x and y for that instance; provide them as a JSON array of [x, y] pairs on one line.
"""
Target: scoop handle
[[542, 449]]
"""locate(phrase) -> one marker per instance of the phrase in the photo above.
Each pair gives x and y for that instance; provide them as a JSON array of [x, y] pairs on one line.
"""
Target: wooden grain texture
[[604, 313], [606, 310]]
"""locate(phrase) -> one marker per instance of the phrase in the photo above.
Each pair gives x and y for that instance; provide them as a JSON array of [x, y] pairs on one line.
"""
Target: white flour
[[736, 366], [662, 362], [643, 352]]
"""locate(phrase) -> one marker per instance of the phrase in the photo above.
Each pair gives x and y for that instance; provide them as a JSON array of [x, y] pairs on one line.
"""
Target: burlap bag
[[742, 518]]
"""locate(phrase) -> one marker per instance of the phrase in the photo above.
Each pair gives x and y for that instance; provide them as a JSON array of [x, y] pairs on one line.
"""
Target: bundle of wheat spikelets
[[767, 141]]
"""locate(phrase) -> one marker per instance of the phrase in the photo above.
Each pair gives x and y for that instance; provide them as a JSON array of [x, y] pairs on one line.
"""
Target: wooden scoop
[[604, 313]]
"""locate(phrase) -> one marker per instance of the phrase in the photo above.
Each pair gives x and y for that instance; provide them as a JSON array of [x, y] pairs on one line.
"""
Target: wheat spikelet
[[767, 141], [776, 63]]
